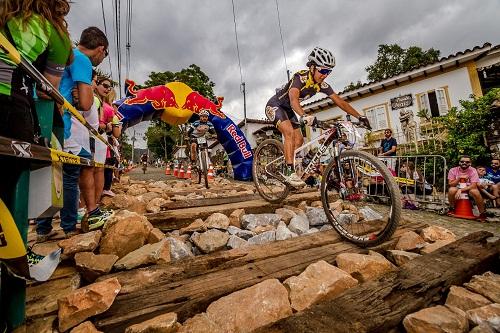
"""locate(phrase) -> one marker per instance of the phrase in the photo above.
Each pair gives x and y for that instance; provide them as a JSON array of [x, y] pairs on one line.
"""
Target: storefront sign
[[401, 102]]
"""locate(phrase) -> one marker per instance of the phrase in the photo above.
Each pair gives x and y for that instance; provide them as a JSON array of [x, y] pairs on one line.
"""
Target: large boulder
[[154, 206], [147, 197], [210, 241], [428, 248], [410, 241], [299, 225], [158, 253], [434, 233], [487, 285], [436, 319], [282, 232], [124, 232], [91, 265], [401, 257], [251, 221], [241, 233], [263, 238], [86, 302], [217, 221], [165, 323], [85, 327], [155, 236], [320, 281], [129, 202], [236, 242], [196, 226], [81, 243], [464, 299], [285, 214], [235, 217], [136, 189], [316, 216], [179, 249], [488, 314], [363, 267]]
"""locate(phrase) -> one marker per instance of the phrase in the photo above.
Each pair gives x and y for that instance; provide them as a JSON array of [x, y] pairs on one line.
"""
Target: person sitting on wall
[[485, 185], [464, 172], [493, 174]]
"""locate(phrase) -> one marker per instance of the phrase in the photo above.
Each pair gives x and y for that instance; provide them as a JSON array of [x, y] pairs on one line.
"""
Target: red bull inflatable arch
[[175, 103]]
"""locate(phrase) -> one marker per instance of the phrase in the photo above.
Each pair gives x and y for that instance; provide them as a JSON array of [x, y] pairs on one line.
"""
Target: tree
[[126, 149], [162, 137], [353, 86], [393, 59]]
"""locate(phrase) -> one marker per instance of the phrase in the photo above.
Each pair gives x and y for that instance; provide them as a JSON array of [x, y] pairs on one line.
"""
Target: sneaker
[[451, 212], [98, 220], [80, 214], [295, 181], [482, 217], [33, 258], [109, 193], [40, 238]]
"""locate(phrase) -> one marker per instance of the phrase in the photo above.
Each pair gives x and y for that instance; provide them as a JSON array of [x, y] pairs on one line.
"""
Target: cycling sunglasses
[[323, 71]]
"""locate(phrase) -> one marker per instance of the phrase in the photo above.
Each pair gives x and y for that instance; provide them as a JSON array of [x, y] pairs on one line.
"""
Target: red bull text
[[240, 141]]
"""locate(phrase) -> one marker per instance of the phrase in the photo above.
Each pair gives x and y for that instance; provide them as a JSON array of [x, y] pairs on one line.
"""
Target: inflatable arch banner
[[175, 103]]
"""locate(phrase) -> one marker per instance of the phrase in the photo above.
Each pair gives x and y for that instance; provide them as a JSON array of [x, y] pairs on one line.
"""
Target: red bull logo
[[196, 102], [240, 141], [161, 97]]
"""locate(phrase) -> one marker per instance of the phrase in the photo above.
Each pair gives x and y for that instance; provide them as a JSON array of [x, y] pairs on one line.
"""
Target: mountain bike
[[362, 181], [200, 169]]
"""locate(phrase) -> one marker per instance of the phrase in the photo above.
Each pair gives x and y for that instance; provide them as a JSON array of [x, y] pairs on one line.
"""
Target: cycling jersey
[[193, 128], [279, 108]]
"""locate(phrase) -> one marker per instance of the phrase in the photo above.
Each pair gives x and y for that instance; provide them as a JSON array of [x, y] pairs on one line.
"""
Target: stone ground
[[459, 226]]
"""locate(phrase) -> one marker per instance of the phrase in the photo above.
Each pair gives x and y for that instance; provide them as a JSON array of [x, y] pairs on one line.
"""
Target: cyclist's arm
[[294, 94], [344, 105]]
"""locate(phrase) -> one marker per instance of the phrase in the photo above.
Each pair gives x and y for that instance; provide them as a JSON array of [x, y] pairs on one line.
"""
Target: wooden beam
[[381, 305]]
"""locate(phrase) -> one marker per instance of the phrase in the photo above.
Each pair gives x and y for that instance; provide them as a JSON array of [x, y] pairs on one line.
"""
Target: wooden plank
[[381, 305], [184, 289], [180, 218], [188, 203]]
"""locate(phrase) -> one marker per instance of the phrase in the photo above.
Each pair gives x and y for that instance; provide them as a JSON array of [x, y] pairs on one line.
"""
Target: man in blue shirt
[[493, 174], [388, 145], [91, 51]]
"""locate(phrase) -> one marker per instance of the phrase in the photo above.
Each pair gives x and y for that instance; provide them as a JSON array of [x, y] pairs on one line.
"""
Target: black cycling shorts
[[277, 114]]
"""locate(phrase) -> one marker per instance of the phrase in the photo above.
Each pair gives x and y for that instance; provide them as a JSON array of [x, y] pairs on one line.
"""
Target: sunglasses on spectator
[[323, 71], [106, 86], [464, 162]]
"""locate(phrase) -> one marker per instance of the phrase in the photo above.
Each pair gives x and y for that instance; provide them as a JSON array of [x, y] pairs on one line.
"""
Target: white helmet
[[204, 112], [322, 57]]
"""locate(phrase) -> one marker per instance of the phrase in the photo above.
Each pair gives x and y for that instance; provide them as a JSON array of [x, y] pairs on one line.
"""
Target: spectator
[[91, 51], [388, 145], [485, 185], [493, 174], [42, 23], [464, 173], [420, 186]]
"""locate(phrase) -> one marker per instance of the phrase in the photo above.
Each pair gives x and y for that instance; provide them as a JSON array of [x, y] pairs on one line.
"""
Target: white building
[[399, 101]]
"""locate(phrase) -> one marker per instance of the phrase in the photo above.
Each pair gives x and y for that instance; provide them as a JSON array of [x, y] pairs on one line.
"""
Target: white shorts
[[100, 151]]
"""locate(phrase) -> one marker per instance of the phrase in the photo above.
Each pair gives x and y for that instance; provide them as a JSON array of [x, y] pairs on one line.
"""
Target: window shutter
[[371, 117], [424, 103], [381, 117], [442, 101]]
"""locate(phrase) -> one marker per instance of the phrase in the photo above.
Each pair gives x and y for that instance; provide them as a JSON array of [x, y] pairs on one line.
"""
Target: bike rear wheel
[[204, 169], [268, 171], [371, 207]]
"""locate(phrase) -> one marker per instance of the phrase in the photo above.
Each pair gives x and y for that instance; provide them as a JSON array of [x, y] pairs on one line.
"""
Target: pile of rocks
[[475, 307]]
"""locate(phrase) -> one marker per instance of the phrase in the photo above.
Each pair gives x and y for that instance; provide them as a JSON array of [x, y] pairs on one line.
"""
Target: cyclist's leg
[[281, 121], [193, 151]]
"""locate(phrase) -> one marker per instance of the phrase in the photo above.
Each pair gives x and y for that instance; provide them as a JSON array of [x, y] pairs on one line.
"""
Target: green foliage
[[193, 76], [353, 86], [467, 126], [161, 138], [126, 147], [393, 59]]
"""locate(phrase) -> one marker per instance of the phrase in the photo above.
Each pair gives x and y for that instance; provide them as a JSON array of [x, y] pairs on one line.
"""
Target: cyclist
[[281, 108], [198, 129]]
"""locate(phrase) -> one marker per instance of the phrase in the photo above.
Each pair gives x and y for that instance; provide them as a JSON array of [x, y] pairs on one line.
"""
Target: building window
[[435, 102], [377, 115]]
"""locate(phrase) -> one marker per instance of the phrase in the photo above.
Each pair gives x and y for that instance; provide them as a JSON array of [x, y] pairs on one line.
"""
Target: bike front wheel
[[370, 209], [268, 171]]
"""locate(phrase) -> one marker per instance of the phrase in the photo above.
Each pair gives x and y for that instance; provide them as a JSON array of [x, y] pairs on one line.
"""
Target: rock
[[428, 248], [235, 217], [160, 184], [125, 180], [147, 197], [434, 233], [155, 236], [198, 225], [106, 201], [86, 302], [158, 253], [244, 310], [316, 216], [401, 257], [488, 314], [464, 299], [85, 327], [483, 328], [178, 249], [91, 265], [262, 228], [154, 206], [136, 189], [326, 227], [165, 323], [312, 231], [40, 325], [263, 238], [299, 225], [81, 243], [210, 241], [487, 285], [250, 221], [178, 197], [217, 221], [337, 206], [236, 242], [363, 267], [282, 232], [245, 234], [302, 206], [124, 232], [285, 214], [435, 319], [316, 204], [131, 203], [296, 210], [319, 281], [375, 253], [347, 218], [410, 241]]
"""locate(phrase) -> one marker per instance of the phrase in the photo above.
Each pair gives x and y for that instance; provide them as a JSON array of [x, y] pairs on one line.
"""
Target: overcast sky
[[171, 35]]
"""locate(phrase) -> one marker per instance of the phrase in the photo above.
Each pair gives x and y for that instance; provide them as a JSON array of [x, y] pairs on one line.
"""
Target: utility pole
[[243, 90]]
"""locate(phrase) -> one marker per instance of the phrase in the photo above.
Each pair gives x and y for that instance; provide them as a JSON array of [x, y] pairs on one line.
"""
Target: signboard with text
[[401, 102]]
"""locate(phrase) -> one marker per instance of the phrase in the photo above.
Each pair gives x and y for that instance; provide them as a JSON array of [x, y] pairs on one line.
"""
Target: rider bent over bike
[[303, 85], [197, 129]]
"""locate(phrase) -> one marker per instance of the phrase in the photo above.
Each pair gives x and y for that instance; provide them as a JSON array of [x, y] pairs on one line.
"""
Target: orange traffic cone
[[188, 173], [463, 206], [210, 172], [176, 170], [168, 172], [181, 172]]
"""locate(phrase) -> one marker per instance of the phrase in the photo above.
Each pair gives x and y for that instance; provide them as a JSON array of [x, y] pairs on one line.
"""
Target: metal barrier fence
[[421, 179]]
